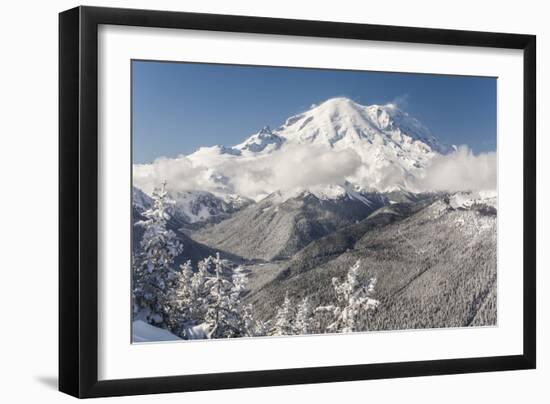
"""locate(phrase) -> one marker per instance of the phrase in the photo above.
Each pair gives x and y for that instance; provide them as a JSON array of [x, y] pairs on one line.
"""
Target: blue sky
[[178, 107]]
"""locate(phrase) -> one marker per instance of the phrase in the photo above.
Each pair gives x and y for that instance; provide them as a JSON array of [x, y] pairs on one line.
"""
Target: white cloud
[[293, 167], [305, 166], [297, 167], [179, 173], [460, 171]]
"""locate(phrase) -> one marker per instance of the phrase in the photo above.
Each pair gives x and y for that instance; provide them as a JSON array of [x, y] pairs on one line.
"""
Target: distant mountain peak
[[266, 130], [263, 140]]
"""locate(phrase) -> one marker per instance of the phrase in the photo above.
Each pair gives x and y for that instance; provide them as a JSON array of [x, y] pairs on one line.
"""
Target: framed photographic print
[[251, 201]]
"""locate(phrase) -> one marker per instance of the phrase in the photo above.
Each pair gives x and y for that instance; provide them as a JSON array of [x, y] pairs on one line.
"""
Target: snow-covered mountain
[[190, 207], [202, 206], [263, 141], [278, 226], [341, 123], [376, 148], [393, 146], [140, 200]]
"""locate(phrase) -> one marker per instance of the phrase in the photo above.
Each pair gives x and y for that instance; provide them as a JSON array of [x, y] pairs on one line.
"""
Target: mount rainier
[[329, 150]]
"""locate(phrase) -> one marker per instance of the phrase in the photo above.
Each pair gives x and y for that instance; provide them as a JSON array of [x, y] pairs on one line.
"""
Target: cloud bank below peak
[[285, 170], [305, 167], [461, 170], [374, 148]]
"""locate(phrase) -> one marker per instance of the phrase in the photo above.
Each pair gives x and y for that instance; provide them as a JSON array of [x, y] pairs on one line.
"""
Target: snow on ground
[[200, 331], [143, 332]]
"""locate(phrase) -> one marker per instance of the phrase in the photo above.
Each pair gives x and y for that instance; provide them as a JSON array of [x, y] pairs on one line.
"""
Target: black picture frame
[[78, 201]]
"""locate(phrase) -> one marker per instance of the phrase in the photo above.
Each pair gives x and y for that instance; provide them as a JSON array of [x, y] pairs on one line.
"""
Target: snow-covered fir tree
[[260, 328], [191, 292], [303, 318], [284, 319], [354, 302], [185, 300], [154, 274], [224, 316]]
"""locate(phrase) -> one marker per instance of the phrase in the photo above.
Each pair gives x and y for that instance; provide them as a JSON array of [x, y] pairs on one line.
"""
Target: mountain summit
[[372, 147], [341, 122]]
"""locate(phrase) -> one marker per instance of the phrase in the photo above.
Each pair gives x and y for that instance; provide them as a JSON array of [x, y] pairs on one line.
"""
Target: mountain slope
[[276, 228], [344, 239], [435, 268]]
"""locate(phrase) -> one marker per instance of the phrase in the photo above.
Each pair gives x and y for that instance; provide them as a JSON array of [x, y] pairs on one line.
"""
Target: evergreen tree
[[260, 328], [191, 293], [209, 302], [153, 275], [284, 319], [354, 302], [198, 301], [224, 316], [183, 301], [303, 316]]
